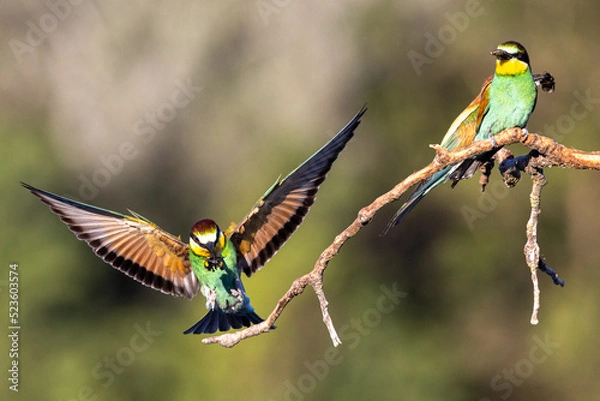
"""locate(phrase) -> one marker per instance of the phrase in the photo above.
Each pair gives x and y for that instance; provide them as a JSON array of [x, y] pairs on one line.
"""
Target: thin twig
[[532, 248], [549, 271], [335, 339]]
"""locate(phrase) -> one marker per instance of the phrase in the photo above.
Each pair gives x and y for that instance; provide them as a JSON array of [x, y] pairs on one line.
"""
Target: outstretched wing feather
[[132, 245], [283, 208]]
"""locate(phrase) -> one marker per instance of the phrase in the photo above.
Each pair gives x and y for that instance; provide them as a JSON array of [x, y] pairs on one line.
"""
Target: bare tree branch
[[532, 248], [546, 153]]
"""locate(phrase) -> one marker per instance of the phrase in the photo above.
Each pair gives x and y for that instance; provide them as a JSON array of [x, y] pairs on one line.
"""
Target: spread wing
[[283, 207], [131, 244]]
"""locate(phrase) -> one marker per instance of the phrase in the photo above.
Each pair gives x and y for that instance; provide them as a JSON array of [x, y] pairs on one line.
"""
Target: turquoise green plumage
[[212, 261], [512, 93], [506, 100]]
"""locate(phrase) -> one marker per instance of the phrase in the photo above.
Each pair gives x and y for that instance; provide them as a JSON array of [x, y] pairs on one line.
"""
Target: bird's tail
[[423, 189], [469, 167], [216, 319]]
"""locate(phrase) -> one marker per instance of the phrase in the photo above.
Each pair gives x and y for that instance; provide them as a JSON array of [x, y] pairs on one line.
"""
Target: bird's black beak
[[501, 54]]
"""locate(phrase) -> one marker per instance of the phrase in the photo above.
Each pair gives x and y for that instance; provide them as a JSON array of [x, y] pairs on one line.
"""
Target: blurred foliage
[[273, 80]]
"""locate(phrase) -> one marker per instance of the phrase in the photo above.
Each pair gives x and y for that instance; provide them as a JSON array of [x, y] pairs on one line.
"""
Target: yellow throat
[[510, 67]]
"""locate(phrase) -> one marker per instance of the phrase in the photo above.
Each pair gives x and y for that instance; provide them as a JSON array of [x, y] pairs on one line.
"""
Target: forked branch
[[545, 153]]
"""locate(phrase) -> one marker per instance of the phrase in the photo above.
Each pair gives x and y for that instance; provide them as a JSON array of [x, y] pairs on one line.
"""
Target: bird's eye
[[519, 55]]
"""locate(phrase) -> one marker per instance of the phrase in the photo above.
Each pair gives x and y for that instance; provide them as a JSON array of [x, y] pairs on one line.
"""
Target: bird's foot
[[525, 133], [493, 142]]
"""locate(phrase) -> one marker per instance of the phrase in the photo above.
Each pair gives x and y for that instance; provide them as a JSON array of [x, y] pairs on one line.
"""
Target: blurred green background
[[185, 110]]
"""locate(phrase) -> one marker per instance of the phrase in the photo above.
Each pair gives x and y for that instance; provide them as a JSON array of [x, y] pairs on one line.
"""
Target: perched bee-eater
[[213, 260], [506, 100]]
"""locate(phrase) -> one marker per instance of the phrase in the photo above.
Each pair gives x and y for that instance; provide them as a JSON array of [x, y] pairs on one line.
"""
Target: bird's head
[[206, 239], [511, 58]]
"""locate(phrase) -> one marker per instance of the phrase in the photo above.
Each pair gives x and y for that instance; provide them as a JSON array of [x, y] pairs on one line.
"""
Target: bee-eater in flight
[[213, 260], [506, 100]]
